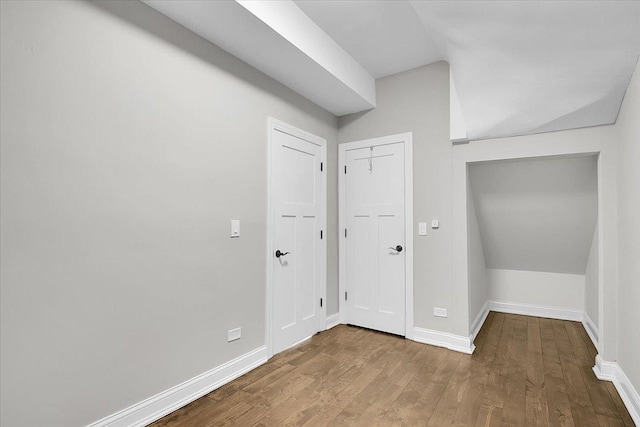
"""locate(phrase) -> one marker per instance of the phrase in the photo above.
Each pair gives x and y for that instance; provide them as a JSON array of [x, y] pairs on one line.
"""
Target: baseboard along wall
[[591, 328], [536, 310], [479, 321], [156, 407], [443, 339], [332, 321], [611, 371]]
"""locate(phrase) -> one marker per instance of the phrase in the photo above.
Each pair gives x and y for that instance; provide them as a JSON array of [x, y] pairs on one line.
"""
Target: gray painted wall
[[128, 143], [536, 214], [117, 192], [477, 266], [558, 290], [628, 127], [591, 280], [418, 101]]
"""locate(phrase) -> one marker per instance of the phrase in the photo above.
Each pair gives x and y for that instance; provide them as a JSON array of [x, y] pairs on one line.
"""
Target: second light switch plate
[[422, 228], [235, 228]]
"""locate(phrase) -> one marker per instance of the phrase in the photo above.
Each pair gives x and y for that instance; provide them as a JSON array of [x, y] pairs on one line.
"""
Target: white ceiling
[[526, 67], [536, 215], [277, 38], [520, 67], [386, 37]]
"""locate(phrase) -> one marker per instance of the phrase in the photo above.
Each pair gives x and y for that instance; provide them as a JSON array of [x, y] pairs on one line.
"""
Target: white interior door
[[297, 254], [375, 236]]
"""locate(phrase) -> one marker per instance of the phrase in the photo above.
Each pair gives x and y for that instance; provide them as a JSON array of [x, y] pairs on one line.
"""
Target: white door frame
[[407, 139], [275, 125]]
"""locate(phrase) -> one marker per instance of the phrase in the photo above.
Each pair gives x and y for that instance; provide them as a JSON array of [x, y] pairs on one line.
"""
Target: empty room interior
[[305, 212]]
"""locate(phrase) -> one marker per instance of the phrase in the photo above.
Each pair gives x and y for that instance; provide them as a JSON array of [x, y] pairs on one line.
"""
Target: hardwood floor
[[525, 371]]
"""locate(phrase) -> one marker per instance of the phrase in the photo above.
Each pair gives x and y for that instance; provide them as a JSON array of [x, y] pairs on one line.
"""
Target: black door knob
[[279, 254], [397, 248]]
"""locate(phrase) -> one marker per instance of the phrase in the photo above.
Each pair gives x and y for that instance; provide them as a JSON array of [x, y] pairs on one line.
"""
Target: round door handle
[[279, 254], [397, 248]]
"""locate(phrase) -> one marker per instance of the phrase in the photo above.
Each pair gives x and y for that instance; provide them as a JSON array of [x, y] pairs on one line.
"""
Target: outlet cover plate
[[234, 334], [439, 312]]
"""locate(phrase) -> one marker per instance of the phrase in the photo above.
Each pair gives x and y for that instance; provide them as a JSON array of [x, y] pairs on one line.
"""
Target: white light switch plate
[[235, 228], [435, 223], [422, 228]]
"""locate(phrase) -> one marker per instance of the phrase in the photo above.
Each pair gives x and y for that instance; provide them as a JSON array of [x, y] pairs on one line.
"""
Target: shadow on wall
[[155, 23]]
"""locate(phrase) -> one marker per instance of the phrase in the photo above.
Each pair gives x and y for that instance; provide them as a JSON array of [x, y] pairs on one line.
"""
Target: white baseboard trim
[[605, 371], [444, 339], [611, 371], [591, 328], [536, 310], [479, 321], [156, 407], [332, 320]]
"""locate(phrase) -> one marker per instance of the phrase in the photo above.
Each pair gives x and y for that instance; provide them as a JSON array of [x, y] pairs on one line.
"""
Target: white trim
[[536, 310], [479, 321], [342, 225], [156, 407], [611, 371], [408, 208], [605, 371], [591, 328], [277, 125], [332, 321], [443, 339], [407, 139]]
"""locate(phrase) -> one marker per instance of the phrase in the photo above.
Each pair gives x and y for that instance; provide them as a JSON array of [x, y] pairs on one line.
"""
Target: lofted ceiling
[[536, 214], [519, 67]]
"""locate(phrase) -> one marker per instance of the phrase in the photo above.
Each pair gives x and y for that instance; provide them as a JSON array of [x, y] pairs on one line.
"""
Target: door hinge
[[345, 232], [345, 295], [321, 166], [320, 302], [345, 168], [320, 234]]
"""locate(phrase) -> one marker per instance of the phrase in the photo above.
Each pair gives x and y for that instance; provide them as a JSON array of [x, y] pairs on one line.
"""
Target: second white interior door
[[375, 236]]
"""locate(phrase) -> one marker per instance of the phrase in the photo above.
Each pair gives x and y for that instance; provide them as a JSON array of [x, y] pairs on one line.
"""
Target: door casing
[[407, 139], [275, 125]]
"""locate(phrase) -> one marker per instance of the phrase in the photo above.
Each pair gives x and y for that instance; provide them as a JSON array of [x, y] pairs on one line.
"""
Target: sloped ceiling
[[526, 67], [536, 215], [519, 67], [278, 39]]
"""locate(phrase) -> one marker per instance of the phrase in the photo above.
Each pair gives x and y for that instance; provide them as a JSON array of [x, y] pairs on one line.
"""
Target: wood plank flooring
[[525, 371]]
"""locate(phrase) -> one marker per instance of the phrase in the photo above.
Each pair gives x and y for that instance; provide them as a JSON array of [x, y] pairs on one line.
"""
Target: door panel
[[307, 298], [393, 272], [297, 211], [374, 197], [285, 275], [361, 267]]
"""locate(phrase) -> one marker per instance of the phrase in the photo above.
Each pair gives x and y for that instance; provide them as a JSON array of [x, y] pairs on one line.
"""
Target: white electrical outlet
[[439, 312], [234, 334]]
